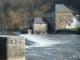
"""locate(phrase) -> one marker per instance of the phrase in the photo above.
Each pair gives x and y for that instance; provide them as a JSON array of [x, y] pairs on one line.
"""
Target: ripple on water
[[68, 48]]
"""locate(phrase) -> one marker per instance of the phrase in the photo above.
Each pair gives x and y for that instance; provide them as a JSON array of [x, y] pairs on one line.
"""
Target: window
[[69, 20], [11, 42], [60, 20], [69, 25], [65, 26]]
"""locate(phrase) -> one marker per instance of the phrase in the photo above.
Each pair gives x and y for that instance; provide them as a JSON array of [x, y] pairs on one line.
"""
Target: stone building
[[59, 16], [38, 26], [12, 47]]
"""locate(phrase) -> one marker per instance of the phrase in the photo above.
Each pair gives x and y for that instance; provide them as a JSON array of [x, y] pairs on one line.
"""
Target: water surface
[[53, 47]]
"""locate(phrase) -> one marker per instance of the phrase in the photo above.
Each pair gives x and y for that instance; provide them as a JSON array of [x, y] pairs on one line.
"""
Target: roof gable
[[61, 8], [39, 20], [58, 8]]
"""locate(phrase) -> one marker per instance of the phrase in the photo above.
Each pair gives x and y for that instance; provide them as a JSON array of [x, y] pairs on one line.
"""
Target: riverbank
[[67, 32]]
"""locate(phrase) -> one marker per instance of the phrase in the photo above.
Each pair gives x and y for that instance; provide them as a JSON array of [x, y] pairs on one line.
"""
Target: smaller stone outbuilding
[[40, 26]]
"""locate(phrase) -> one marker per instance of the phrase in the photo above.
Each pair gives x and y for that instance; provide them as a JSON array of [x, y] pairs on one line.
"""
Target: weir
[[12, 47]]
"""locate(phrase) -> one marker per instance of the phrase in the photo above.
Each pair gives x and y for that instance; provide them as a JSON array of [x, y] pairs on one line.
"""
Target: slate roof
[[40, 20], [37, 21], [62, 8], [58, 8]]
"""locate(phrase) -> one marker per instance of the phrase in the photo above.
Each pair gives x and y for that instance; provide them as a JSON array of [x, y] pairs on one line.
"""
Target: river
[[52, 47]]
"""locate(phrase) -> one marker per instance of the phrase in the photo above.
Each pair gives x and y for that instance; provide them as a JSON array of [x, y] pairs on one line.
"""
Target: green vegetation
[[74, 29], [15, 14], [71, 29]]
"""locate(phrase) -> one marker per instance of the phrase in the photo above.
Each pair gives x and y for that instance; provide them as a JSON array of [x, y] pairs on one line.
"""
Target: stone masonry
[[59, 16], [12, 48], [63, 20]]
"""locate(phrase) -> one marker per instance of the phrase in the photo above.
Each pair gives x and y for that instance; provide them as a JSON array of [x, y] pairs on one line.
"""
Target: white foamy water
[[40, 42], [46, 40]]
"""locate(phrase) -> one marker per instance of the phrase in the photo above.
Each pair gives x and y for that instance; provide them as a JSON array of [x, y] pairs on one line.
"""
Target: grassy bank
[[69, 31]]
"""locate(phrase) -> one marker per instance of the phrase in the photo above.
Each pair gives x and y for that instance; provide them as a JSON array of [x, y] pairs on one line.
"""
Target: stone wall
[[51, 19], [59, 20], [62, 20], [12, 48], [40, 28]]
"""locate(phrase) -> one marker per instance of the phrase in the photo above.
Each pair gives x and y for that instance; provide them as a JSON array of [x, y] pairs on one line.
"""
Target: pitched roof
[[58, 8], [39, 20], [62, 8]]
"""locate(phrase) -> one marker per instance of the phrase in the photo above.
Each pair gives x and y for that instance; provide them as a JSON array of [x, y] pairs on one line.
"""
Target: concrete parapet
[[12, 47]]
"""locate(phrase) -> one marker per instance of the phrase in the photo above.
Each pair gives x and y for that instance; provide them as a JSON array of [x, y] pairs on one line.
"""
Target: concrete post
[[12, 48]]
